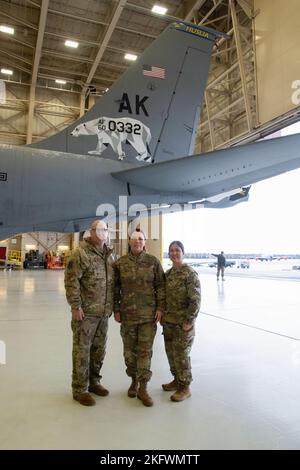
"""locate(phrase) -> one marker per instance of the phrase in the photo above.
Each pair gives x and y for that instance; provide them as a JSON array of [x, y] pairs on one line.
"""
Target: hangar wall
[[53, 111], [277, 37]]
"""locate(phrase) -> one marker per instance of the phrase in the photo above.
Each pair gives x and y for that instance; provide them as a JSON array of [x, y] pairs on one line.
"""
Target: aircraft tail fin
[[152, 111]]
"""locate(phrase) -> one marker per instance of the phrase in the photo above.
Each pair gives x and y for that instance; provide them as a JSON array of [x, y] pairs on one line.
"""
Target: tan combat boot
[[99, 390], [142, 394], [170, 387], [181, 394], [132, 391], [84, 398]]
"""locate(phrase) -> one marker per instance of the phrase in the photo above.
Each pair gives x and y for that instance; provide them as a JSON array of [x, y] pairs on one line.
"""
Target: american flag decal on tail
[[156, 72]]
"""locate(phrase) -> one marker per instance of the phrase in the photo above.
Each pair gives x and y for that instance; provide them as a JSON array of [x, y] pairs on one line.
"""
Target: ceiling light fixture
[[159, 10], [6, 29], [130, 56], [6, 71], [70, 43], [60, 82]]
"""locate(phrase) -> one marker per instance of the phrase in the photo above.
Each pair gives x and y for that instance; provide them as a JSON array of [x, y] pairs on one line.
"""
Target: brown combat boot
[[132, 391], [170, 387], [181, 394], [142, 394], [99, 390], [84, 399]]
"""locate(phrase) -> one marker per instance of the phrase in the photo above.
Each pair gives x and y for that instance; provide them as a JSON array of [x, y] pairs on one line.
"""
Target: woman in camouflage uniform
[[138, 304], [183, 297]]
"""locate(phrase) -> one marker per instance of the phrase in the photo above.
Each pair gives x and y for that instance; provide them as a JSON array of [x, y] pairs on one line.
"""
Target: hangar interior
[[48, 85], [248, 92]]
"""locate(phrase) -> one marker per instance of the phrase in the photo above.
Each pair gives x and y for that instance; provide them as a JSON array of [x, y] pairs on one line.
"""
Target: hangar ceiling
[[36, 106]]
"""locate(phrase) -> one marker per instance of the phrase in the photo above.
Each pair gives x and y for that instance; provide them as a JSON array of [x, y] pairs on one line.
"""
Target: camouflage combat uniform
[[89, 285], [139, 292], [183, 298]]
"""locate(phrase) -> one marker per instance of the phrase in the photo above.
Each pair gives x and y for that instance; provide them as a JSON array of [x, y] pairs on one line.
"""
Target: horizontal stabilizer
[[220, 171]]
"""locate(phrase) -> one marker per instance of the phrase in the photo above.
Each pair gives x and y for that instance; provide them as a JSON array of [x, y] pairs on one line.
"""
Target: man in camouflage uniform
[[183, 298], [89, 291], [138, 303]]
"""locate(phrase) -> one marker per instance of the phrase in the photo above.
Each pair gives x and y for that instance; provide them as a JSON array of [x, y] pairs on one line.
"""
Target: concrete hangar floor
[[246, 360]]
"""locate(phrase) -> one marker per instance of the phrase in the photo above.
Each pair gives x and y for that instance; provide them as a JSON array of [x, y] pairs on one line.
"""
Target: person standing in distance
[[221, 264], [139, 301], [183, 298], [89, 292]]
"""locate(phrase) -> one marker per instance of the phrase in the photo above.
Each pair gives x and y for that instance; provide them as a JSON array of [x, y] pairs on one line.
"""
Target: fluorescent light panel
[[61, 82], [159, 10], [130, 56], [6, 71], [70, 43], [6, 29]]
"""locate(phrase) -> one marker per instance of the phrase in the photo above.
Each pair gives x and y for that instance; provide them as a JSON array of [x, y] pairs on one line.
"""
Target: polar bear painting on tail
[[115, 132]]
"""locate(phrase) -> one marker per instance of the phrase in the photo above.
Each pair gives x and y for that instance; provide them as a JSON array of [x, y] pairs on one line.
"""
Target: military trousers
[[221, 270], [138, 346], [89, 347], [178, 345]]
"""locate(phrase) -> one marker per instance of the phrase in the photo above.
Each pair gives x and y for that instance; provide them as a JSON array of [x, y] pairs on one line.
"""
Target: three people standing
[[140, 294]]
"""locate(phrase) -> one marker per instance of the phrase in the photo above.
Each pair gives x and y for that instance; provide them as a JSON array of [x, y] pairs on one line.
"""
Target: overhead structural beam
[[7, 122], [17, 19], [220, 77], [33, 3], [223, 111], [79, 82], [109, 31], [35, 237], [90, 43], [82, 104], [24, 43], [245, 5], [16, 56], [94, 43], [118, 50], [210, 12], [37, 57], [241, 63], [17, 66], [210, 123], [215, 20], [116, 15], [97, 22], [147, 11], [191, 9]]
